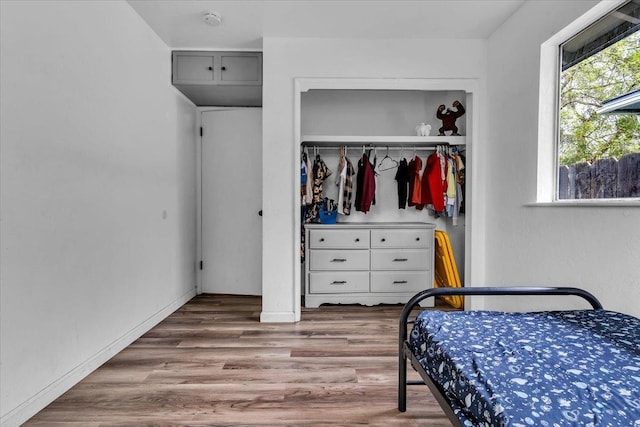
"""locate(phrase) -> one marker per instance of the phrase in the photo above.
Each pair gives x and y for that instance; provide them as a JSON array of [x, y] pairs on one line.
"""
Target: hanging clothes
[[344, 181], [320, 173], [305, 197], [309, 186], [347, 191], [460, 179], [402, 178], [341, 179], [458, 204], [459, 182], [435, 179], [415, 191], [366, 185], [303, 170], [425, 189], [375, 174], [451, 185], [306, 179]]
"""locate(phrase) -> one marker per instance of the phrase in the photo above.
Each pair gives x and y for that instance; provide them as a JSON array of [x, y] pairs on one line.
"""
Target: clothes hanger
[[392, 166]]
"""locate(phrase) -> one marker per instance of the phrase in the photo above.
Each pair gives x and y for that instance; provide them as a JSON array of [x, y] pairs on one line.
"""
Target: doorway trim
[[474, 237]]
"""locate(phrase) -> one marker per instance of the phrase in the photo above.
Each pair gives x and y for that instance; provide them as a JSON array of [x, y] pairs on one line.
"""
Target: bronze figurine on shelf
[[448, 117]]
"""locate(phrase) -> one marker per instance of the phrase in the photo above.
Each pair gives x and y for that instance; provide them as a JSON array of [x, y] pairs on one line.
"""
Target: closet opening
[[385, 122]]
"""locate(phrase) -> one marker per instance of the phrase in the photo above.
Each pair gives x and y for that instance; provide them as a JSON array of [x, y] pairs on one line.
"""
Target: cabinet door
[[193, 68], [240, 68]]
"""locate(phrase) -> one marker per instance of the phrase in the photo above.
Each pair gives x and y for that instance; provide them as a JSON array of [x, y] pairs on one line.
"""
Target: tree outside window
[[599, 154]]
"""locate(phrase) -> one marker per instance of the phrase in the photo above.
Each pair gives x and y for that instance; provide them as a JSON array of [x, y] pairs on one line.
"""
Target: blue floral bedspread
[[560, 368]]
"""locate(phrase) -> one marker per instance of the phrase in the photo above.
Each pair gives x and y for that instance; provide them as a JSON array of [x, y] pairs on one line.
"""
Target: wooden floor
[[212, 363]]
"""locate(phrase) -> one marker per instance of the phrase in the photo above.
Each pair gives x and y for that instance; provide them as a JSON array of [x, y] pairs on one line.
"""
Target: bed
[[549, 368]]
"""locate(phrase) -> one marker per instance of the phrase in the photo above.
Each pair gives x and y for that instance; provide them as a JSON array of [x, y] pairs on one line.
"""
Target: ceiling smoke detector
[[212, 18]]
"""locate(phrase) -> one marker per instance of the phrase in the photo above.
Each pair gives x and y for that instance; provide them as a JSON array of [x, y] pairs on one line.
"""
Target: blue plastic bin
[[328, 217]]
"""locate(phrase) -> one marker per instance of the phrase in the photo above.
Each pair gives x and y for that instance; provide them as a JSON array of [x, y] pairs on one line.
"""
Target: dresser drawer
[[410, 238], [338, 282], [398, 259], [339, 239], [400, 281], [332, 259]]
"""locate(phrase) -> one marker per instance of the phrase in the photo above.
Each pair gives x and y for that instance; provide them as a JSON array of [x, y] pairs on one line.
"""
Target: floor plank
[[212, 363]]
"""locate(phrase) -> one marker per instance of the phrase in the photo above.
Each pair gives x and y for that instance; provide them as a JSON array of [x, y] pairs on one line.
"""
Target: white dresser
[[367, 263]]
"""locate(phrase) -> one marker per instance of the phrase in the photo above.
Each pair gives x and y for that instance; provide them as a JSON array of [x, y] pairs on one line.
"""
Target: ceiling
[[180, 23]]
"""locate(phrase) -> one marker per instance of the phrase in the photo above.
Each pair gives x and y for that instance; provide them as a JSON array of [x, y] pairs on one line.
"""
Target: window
[[599, 103]]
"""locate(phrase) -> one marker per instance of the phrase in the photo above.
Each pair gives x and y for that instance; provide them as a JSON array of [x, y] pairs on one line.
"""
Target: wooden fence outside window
[[604, 179]]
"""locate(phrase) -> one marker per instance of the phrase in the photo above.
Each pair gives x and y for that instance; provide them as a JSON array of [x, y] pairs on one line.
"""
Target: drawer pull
[[417, 239], [339, 282], [321, 239], [357, 240], [400, 259], [338, 260], [399, 282], [383, 240]]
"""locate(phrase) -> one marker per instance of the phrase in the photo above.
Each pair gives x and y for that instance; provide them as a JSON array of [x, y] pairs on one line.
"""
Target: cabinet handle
[[339, 282], [399, 282], [322, 239], [383, 240], [357, 240], [210, 68], [400, 259], [417, 239], [223, 68], [338, 260]]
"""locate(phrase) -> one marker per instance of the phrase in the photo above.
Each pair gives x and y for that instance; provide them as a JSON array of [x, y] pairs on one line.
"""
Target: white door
[[232, 201]]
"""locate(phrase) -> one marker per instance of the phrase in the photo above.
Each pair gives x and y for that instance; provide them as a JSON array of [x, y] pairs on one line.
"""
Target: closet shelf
[[398, 141]]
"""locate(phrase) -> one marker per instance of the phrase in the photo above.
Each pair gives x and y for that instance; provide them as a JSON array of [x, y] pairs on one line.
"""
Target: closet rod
[[368, 147]]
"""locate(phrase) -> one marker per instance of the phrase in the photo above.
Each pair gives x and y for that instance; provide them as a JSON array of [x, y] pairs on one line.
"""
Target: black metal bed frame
[[405, 352]]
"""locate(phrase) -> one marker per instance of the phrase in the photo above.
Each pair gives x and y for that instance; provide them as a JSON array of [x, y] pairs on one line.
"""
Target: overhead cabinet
[[219, 78], [217, 68]]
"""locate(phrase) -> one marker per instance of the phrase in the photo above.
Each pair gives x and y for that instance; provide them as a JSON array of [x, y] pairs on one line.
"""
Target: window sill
[[608, 203]]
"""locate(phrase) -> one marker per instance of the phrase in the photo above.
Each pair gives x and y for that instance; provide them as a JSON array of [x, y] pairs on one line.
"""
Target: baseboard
[[277, 317], [33, 405]]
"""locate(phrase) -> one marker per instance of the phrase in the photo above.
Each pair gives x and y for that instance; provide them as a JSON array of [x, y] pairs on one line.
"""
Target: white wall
[[98, 193], [597, 248], [286, 59]]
